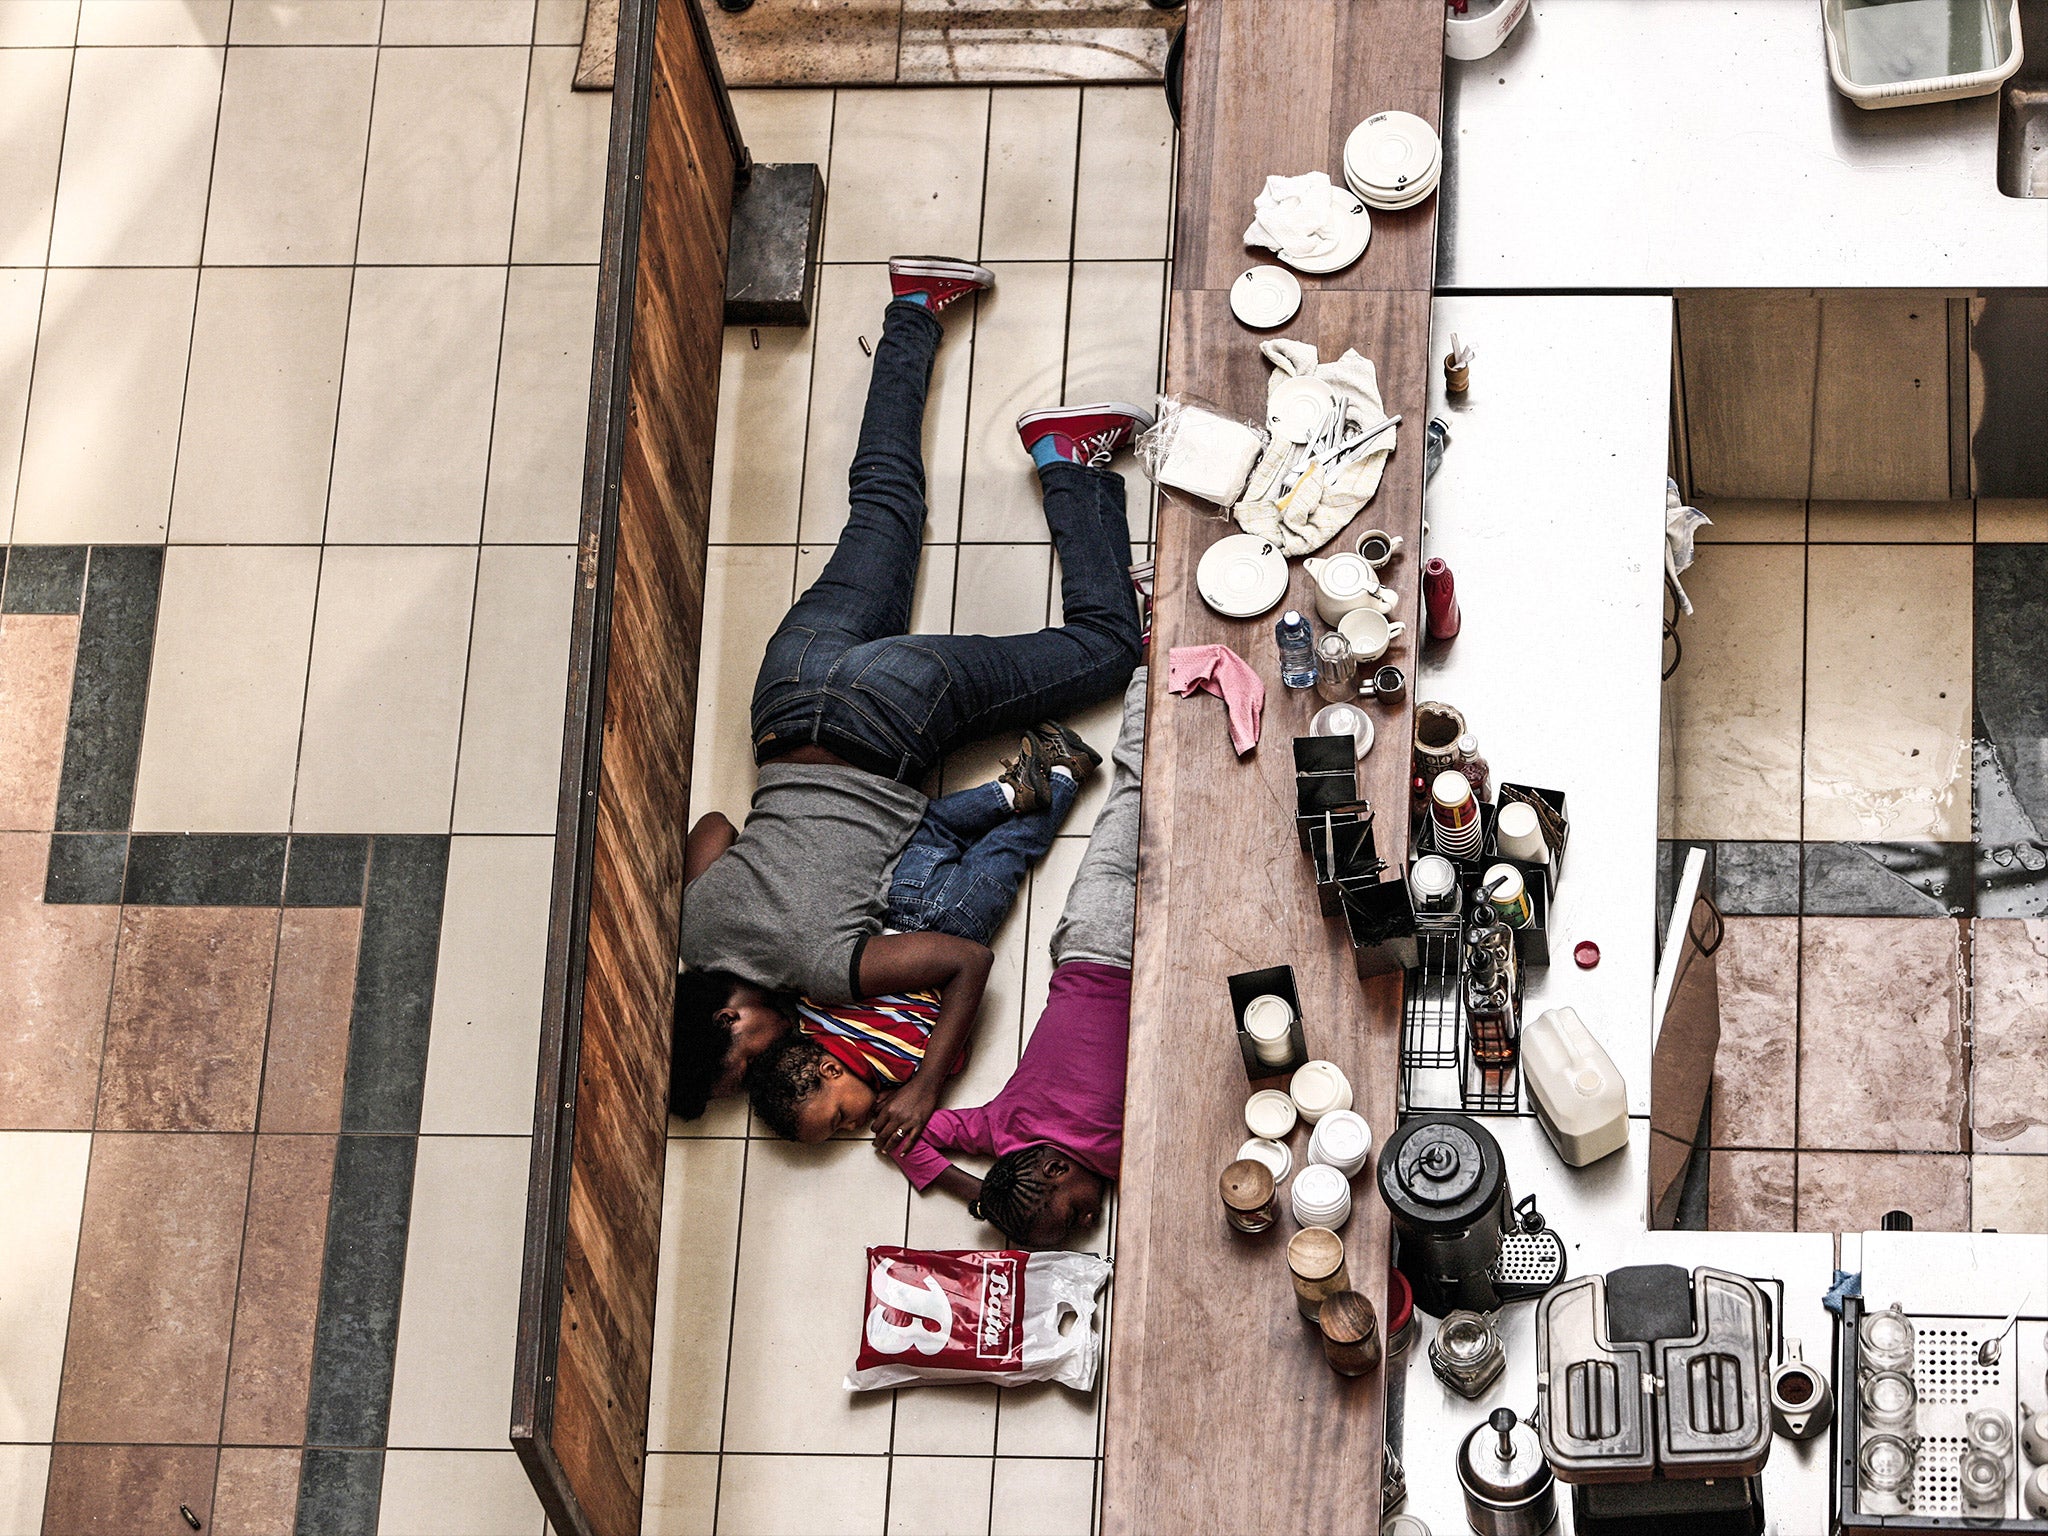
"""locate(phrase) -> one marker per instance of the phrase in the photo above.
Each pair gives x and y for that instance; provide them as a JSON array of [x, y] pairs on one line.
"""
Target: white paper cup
[[1321, 1197], [1342, 1141], [1270, 1113], [1276, 1155], [1318, 1087], [1269, 1020], [1518, 835]]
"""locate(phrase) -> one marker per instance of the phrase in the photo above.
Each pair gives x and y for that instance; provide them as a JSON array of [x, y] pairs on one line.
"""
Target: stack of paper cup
[[1455, 815], [1276, 1155], [1321, 1197], [1341, 1140], [1518, 835], [1318, 1087], [1269, 1020]]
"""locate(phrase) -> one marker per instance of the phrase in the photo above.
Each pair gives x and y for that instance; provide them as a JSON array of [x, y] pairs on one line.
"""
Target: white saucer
[[1391, 202], [1354, 230], [1264, 296], [1296, 407], [1391, 151], [1242, 576], [1330, 721]]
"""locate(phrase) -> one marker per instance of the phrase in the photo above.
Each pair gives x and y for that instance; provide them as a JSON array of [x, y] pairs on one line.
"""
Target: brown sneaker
[[1029, 776], [1062, 748]]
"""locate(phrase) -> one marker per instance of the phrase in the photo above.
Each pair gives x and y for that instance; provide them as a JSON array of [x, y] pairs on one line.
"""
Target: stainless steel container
[[1508, 1487]]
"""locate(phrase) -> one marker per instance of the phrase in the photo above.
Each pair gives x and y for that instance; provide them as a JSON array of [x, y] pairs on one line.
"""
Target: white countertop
[[1658, 144]]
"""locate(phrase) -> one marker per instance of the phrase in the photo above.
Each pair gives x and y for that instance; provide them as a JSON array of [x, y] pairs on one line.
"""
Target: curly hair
[[1015, 1190], [782, 1078], [697, 1047]]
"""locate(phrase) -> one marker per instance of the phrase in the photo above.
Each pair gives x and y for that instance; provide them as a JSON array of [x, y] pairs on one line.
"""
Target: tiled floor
[[295, 319], [762, 1241], [1856, 734]]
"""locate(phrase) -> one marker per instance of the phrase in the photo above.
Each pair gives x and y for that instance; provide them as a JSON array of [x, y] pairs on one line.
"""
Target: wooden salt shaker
[[1247, 1188], [1315, 1258], [1351, 1333]]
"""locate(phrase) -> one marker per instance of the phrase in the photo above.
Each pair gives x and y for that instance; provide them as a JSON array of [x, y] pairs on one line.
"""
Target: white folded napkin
[[1296, 214]]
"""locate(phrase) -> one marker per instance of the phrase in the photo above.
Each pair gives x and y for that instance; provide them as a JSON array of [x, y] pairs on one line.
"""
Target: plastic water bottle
[[1297, 650]]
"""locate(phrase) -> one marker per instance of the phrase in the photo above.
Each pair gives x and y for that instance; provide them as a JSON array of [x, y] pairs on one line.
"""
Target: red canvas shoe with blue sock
[[936, 281], [1081, 434]]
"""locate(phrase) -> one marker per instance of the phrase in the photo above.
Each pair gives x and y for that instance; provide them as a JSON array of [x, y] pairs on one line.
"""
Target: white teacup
[[1369, 632], [1376, 546]]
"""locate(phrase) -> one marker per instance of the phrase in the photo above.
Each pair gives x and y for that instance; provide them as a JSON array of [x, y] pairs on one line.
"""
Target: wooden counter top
[[1222, 1415]]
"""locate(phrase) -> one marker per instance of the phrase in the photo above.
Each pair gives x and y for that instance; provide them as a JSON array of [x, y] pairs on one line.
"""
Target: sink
[[2023, 111]]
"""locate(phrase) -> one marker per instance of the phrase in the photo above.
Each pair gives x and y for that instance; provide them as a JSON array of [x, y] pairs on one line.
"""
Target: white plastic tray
[[2002, 17]]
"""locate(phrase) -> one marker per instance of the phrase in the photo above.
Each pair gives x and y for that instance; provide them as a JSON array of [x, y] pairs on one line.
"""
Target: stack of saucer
[[1393, 160], [1321, 1197], [1454, 814]]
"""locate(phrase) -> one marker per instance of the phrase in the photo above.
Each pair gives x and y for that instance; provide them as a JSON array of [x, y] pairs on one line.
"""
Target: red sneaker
[[1086, 434], [941, 279]]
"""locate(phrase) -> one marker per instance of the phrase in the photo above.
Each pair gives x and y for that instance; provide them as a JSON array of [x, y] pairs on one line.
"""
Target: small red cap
[[1400, 1301], [1587, 953]]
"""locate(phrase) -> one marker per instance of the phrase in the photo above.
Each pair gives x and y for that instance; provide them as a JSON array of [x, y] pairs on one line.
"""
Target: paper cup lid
[[1319, 1187], [1270, 1113], [1343, 1136], [1274, 1154], [1317, 1086], [1267, 1017]]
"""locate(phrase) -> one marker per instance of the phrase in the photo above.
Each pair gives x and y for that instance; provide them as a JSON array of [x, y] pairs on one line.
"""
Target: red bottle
[[1439, 599]]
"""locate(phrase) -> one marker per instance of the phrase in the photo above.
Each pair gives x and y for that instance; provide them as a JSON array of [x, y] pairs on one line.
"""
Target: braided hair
[[1015, 1190]]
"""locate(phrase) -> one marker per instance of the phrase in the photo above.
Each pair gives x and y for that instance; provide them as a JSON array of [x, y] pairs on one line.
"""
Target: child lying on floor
[[959, 875], [828, 1074], [1057, 1125]]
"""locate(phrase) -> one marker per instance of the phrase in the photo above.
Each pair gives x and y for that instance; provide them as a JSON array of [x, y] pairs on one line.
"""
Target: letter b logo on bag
[[928, 1307]]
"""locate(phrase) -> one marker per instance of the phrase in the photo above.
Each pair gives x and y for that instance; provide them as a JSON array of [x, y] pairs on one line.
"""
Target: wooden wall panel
[[587, 1309]]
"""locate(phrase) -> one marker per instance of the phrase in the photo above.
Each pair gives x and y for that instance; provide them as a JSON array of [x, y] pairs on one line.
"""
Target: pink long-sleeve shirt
[[1068, 1089]]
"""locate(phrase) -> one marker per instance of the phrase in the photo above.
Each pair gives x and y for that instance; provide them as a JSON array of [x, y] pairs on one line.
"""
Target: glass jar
[[1884, 1475], [1249, 1203], [1887, 1340], [1990, 1431], [1889, 1401], [1984, 1478], [1466, 1353]]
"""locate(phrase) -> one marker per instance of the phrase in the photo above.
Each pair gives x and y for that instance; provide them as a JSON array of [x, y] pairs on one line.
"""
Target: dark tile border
[[86, 869], [1784, 879], [205, 869], [355, 1341], [43, 578], [326, 870], [395, 972], [339, 1492], [110, 687]]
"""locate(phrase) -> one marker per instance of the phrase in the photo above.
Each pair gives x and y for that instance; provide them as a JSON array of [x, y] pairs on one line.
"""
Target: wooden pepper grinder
[[1458, 367]]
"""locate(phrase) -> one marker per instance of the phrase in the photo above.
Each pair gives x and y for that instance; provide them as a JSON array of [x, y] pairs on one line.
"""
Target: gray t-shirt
[[789, 904]]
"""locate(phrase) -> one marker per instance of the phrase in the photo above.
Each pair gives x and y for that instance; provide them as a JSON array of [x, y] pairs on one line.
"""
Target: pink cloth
[[1068, 1088], [1219, 670]]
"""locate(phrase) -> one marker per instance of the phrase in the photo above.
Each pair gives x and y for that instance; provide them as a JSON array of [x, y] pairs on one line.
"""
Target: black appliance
[[1446, 1185]]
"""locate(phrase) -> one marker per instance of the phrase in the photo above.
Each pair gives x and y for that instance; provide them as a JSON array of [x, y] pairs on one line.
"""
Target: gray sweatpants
[[1102, 903]]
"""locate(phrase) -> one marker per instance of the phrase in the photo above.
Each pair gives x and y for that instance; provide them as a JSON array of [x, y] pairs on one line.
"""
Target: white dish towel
[[1317, 510], [1295, 214]]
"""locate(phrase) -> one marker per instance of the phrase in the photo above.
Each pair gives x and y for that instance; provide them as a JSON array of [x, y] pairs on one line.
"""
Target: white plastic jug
[[1575, 1087]]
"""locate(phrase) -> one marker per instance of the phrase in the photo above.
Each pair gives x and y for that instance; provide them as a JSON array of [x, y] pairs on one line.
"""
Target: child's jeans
[[964, 864]]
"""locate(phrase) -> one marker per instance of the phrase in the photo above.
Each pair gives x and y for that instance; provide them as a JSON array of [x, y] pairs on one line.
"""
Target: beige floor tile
[[35, 83], [1736, 696], [1019, 360], [2009, 1027], [21, 302], [444, 155], [939, 1495], [277, 22], [39, 24], [37, 656], [1125, 191], [1888, 693], [561, 164], [849, 311], [288, 170], [24, 1473], [747, 589], [757, 471], [700, 1230], [724, 1118], [1043, 1498], [2012, 522], [558, 21], [152, 23], [1028, 213], [458, 1493], [227, 689], [1113, 335], [414, 23], [1750, 522], [1752, 1191], [260, 398], [810, 1214], [138, 144], [412, 447], [783, 127], [452, 1383], [102, 433], [535, 492], [1891, 522], [802, 1495], [681, 1497], [487, 995], [1756, 1070], [44, 1175], [511, 763], [384, 692], [2009, 1194], [906, 173], [1852, 1191], [1046, 1419]]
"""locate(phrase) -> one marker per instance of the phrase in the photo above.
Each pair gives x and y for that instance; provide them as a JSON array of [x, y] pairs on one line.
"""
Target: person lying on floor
[[851, 713], [1056, 1128]]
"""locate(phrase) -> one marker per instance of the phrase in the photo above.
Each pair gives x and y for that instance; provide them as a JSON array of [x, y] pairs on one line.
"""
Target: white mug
[[1370, 632], [1383, 546], [1346, 583]]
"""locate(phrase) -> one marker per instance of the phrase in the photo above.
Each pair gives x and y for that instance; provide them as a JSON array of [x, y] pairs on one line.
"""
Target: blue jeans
[[964, 864], [842, 672]]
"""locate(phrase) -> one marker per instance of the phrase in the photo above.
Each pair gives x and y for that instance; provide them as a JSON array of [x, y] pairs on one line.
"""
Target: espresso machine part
[[1445, 1184], [1507, 1483], [1802, 1402], [1532, 1256]]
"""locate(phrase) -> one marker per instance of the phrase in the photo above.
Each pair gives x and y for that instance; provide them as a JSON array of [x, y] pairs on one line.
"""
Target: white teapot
[[1346, 582]]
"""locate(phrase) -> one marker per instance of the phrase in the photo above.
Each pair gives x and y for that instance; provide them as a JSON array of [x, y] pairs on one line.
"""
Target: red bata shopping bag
[[959, 1315]]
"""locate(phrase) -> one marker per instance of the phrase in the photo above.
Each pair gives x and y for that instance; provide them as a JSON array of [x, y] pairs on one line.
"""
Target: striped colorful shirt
[[881, 1040]]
